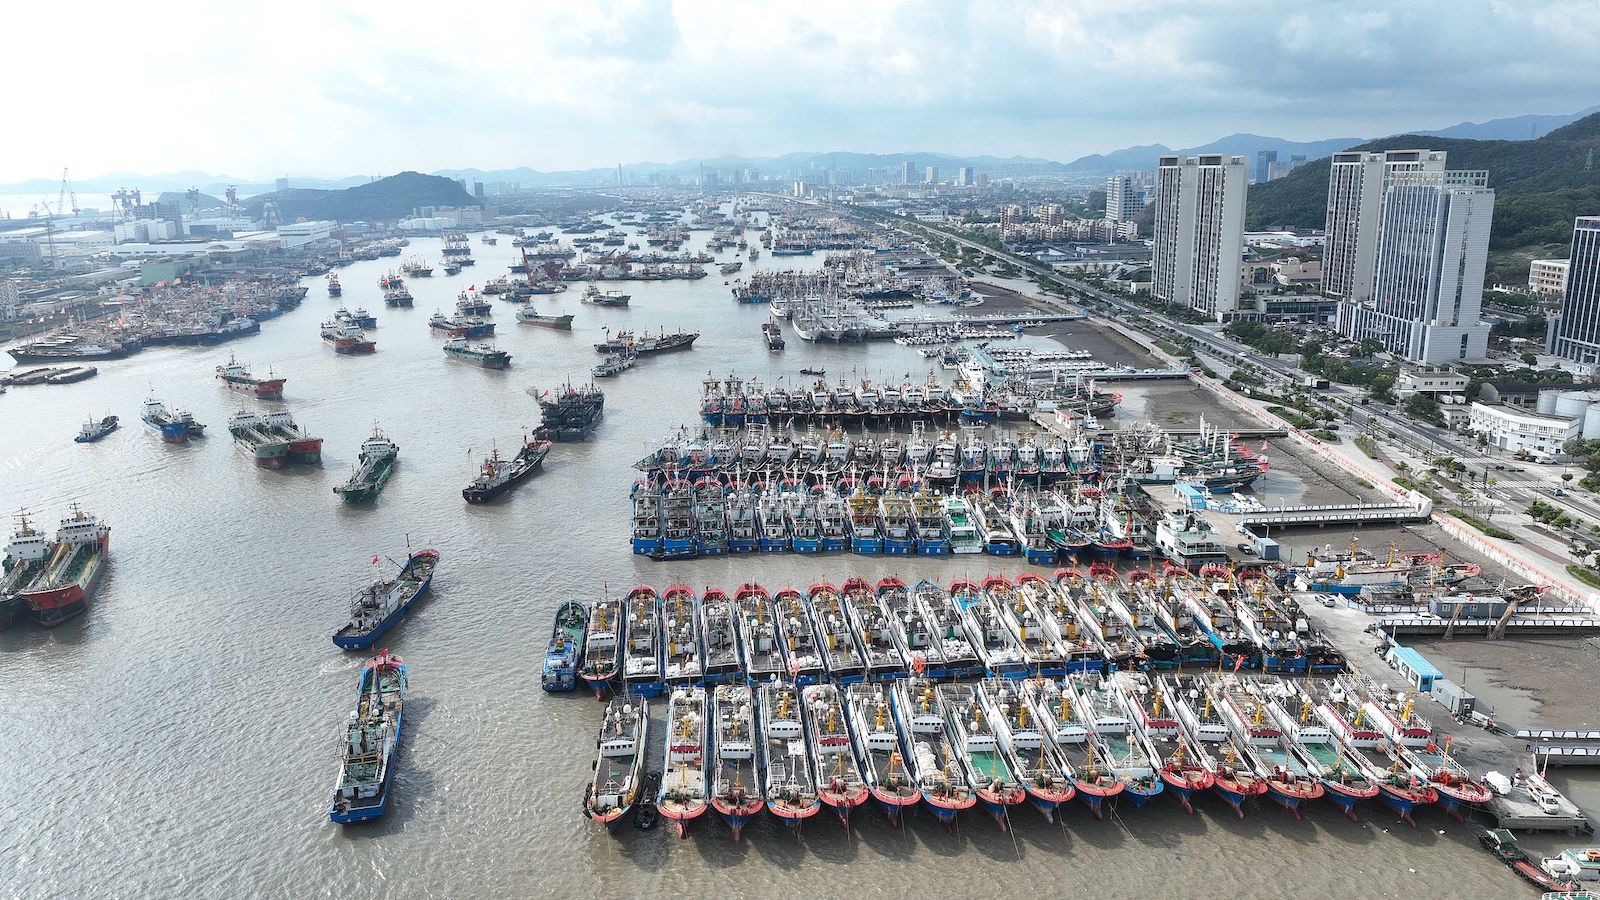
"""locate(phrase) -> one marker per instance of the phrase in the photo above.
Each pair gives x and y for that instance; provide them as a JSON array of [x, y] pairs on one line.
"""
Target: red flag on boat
[[1263, 445], [1238, 661], [375, 560], [472, 287]]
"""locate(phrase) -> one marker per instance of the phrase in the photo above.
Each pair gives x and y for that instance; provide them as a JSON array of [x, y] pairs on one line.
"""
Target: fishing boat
[[758, 634], [996, 645], [797, 640], [370, 742], [1340, 707], [602, 646], [933, 536], [641, 663], [881, 753], [736, 783], [949, 629], [933, 761], [484, 356], [1345, 781], [1023, 610], [27, 552], [235, 376], [1056, 703], [374, 464], [791, 785], [1210, 740], [899, 518], [913, 634], [377, 607], [1452, 784], [496, 475], [683, 780], [718, 615], [62, 587], [868, 615], [1117, 745], [864, 517], [1183, 766], [839, 783], [1029, 750], [172, 429], [977, 750], [618, 782], [564, 655], [836, 636], [528, 316], [684, 654], [1259, 740], [964, 536], [616, 364]]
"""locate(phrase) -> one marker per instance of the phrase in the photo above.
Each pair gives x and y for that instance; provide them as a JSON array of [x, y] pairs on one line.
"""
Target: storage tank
[[1573, 404], [1591, 422], [1546, 406]]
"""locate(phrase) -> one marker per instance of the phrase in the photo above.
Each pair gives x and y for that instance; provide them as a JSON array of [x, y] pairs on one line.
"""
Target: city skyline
[[326, 91]]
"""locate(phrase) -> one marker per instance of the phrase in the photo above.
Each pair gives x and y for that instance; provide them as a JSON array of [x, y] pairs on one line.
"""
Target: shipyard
[[1139, 524]]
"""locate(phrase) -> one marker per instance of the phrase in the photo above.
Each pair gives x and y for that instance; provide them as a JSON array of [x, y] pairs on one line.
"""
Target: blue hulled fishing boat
[[371, 740], [566, 648], [377, 607]]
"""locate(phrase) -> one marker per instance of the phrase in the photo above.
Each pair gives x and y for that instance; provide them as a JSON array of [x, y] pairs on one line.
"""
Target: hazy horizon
[[327, 91]]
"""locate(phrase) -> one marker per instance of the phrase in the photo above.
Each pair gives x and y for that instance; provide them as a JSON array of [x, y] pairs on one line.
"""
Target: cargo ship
[[497, 475], [236, 377], [370, 742], [26, 554], [61, 589], [374, 465], [378, 606], [172, 429], [528, 317], [346, 337], [484, 356], [301, 446], [249, 432]]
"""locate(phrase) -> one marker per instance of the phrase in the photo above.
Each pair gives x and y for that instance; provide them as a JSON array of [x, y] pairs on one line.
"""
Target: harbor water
[[179, 739]]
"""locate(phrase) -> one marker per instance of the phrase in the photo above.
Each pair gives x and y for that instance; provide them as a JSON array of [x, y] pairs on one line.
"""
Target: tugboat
[[485, 356], [371, 742], [26, 554], [683, 781], [378, 606], [497, 475], [939, 775], [602, 647], [790, 787], [619, 768], [235, 376], [565, 652], [93, 431], [61, 589], [172, 429], [736, 780], [881, 756]]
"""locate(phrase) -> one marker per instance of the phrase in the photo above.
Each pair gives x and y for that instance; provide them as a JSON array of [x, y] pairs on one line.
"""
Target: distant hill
[[1242, 144], [1516, 128], [1558, 163], [181, 200], [383, 200]]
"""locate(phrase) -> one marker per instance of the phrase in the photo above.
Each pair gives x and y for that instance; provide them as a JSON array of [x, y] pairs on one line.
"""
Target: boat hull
[[54, 606]]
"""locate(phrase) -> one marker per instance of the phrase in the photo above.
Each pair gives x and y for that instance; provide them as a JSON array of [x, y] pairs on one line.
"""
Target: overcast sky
[[254, 90]]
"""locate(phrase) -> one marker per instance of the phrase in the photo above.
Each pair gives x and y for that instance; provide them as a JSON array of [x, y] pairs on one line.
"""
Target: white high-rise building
[[1356, 184], [1124, 197], [1199, 232], [1577, 333], [1427, 281]]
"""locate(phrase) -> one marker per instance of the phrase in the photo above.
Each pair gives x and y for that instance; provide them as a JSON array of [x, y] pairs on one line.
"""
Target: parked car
[[1246, 549]]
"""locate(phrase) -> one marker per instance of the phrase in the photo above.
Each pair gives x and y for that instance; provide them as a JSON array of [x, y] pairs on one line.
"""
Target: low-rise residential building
[[1548, 276], [1512, 428], [1443, 385]]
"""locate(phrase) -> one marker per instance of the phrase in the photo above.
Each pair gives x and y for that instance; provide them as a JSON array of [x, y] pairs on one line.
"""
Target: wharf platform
[[1518, 625], [1520, 812], [1562, 747], [912, 326], [1338, 514]]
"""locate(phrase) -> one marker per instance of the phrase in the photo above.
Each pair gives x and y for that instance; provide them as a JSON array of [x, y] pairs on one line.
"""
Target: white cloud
[[330, 89]]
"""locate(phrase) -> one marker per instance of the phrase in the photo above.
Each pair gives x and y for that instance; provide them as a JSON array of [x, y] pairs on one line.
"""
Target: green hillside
[[1540, 186], [386, 199]]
